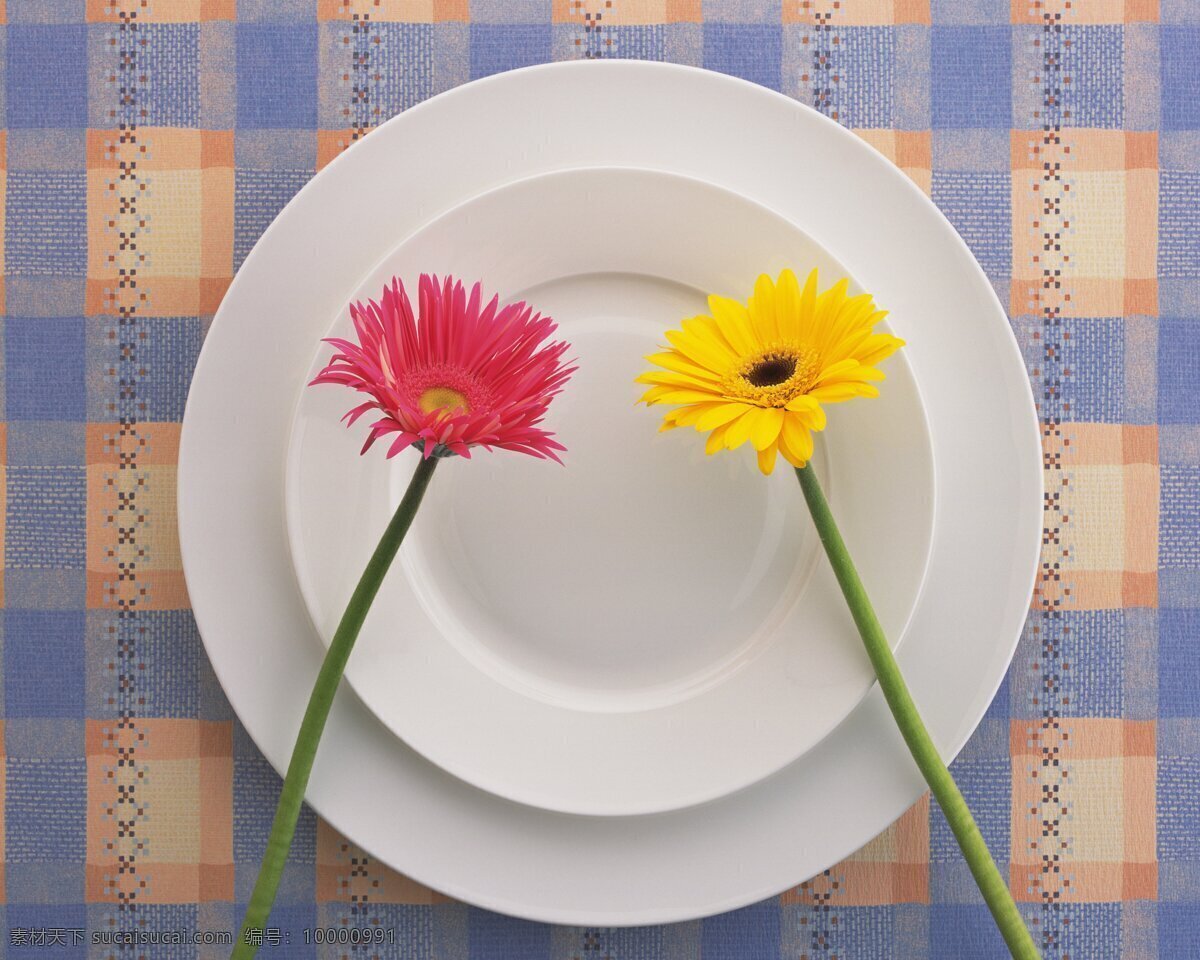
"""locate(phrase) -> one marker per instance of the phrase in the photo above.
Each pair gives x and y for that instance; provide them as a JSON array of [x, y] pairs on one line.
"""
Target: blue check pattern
[[146, 144]]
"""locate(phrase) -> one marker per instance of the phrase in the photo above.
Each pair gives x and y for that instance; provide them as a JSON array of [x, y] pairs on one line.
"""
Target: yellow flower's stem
[[983, 868], [291, 799]]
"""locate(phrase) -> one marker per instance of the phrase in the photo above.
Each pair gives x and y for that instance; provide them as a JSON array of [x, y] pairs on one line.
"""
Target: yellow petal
[[790, 455], [856, 338], [843, 322], [836, 371], [689, 416], [830, 302], [716, 440], [720, 415], [878, 347], [796, 440], [678, 395], [806, 321], [734, 322], [705, 327], [811, 418], [874, 318], [858, 374], [738, 430], [787, 304], [802, 402], [847, 346], [766, 428], [837, 392], [814, 419], [665, 378], [654, 395], [764, 310], [707, 352], [677, 362], [869, 373], [766, 459]]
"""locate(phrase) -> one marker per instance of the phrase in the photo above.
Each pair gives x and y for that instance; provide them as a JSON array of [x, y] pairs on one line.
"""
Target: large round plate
[[435, 827], [647, 628]]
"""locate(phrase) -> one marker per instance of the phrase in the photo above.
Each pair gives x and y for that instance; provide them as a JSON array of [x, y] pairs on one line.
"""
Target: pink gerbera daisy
[[462, 374]]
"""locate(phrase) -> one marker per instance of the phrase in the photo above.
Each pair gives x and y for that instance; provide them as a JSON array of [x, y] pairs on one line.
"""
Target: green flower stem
[[895, 690], [319, 703]]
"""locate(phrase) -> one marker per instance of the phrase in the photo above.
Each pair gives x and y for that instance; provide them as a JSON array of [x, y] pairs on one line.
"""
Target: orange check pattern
[[145, 145]]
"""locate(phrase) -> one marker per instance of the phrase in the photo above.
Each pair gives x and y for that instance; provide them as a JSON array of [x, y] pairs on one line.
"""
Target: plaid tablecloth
[[146, 145]]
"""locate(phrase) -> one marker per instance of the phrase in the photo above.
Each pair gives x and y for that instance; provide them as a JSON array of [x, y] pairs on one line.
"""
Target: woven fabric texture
[[145, 146]]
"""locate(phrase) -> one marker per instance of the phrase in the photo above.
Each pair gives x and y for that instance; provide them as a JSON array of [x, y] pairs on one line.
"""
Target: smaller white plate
[[646, 628]]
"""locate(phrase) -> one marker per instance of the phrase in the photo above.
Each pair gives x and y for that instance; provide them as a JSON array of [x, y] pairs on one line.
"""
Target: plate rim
[[910, 786]]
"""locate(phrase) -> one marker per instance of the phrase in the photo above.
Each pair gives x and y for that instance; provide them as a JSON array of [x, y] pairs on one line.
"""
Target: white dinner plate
[[468, 842], [646, 628]]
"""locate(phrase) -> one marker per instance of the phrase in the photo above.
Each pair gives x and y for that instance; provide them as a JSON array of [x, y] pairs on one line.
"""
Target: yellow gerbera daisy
[[761, 371]]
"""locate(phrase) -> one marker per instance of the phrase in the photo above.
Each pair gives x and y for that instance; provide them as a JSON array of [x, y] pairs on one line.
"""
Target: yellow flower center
[[773, 377], [443, 398]]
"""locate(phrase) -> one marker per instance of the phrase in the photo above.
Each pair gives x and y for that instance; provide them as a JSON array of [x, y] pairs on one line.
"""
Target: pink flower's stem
[[983, 868], [291, 799]]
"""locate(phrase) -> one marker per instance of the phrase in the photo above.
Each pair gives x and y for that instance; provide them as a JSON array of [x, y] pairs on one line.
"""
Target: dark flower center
[[771, 371]]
